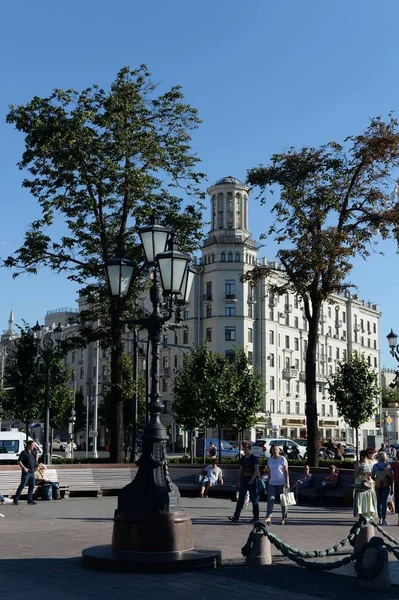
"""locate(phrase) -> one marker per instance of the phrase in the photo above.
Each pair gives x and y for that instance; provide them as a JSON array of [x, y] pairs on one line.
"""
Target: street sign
[[389, 427], [389, 420], [377, 421]]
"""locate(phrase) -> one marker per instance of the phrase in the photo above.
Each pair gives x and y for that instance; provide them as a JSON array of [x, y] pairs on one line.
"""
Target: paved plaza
[[41, 545]]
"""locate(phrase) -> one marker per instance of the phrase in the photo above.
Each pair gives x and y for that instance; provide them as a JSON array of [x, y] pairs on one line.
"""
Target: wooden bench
[[343, 490], [78, 480], [10, 480]]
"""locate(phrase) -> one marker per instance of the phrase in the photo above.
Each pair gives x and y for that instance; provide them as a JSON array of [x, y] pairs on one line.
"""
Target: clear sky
[[265, 75]]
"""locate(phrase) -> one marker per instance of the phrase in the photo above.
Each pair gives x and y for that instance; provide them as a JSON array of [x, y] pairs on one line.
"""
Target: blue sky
[[264, 75]]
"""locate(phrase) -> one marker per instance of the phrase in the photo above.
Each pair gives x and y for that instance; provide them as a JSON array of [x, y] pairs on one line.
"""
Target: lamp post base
[[108, 559]]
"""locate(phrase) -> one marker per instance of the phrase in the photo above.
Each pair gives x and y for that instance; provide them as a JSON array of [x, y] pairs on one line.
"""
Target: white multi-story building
[[226, 312]]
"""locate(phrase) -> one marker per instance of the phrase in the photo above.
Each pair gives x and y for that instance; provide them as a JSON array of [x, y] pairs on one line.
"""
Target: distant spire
[[11, 320]]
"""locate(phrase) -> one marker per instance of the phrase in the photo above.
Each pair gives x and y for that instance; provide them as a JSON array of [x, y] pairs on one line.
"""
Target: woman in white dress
[[364, 502]]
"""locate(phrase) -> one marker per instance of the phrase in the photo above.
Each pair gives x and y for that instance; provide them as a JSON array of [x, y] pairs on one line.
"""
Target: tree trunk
[[27, 430], [219, 445], [190, 438], [204, 446], [310, 384], [117, 431]]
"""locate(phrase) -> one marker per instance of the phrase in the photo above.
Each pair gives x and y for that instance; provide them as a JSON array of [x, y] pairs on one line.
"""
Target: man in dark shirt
[[249, 471], [27, 463]]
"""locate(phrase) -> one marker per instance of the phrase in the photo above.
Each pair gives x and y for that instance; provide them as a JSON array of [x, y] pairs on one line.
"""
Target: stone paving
[[42, 544]]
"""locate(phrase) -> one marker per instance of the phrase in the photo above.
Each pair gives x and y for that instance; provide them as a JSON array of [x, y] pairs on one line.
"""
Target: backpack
[[381, 478]]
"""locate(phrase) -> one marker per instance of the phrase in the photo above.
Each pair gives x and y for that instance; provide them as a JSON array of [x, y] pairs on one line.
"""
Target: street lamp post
[[48, 346], [151, 531]]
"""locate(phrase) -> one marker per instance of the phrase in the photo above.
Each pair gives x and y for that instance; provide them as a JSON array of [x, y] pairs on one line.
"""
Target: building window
[[82, 372], [297, 364], [230, 257], [208, 335], [287, 341], [165, 362], [73, 357], [185, 336], [296, 343], [287, 320], [250, 358], [297, 387], [368, 343], [362, 340], [208, 311], [175, 361], [329, 331], [250, 311], [369, 360], [343, 316], [165, 340], [323, 410], [237, 257], [223, 257], [288, 407], [230, 287], [344, 335], [271, 314], [230, 310], [271, 360], [295, 301], [186, 314], [337, 353], [104, 371], [287, 362], [331, 410], [230, 334], [164, 385], [375, 361], [271, 336], [329, 312], [209, 289], [271, 382], [375, 344], [296, 322], [297, 408], [272, 406], [250, 335], [374, 328], [344, 354]]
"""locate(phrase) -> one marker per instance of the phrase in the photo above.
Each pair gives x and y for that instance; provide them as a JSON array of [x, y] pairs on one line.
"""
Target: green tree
[[102, 161], [23, 399], [246, 395], [25, 376], [211, 391], [353, 387], [333, 201]]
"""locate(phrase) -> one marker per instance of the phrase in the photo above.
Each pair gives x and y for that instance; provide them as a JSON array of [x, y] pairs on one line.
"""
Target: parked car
[[262, 447], [61, 444]]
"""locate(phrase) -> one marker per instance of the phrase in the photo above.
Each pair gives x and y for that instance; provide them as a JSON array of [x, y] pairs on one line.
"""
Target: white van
[[11, 444]]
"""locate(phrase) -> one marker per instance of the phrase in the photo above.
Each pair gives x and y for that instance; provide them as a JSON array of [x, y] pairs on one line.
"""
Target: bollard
[[363, 537], [375, 558], [260, 553]]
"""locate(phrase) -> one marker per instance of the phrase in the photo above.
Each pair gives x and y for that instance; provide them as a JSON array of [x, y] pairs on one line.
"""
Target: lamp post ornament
[[149, 508]]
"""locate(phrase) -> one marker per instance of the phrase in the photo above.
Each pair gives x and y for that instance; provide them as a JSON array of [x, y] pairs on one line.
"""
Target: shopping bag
[[287, 499]]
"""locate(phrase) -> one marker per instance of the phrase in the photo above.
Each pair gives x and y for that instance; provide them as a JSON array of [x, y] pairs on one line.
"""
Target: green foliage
[[24, 398], [211, 391], [99, 163], [332, 201], [389, 395], [25, 376], [354, 389]]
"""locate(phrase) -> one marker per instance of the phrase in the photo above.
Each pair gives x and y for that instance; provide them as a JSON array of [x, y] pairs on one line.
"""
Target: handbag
[[287, 499]]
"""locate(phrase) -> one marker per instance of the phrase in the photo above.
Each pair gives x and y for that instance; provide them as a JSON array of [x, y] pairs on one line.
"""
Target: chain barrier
[[384, 533], [298, 555]]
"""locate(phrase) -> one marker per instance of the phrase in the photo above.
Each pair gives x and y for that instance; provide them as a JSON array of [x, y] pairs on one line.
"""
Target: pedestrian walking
[[69, 449], [364, 499], [278, 482], [383, 477], [247, 482], [26, 461]]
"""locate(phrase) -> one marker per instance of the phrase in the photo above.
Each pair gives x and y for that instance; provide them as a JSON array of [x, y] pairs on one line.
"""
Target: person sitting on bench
[[212, 476], [330, 482]]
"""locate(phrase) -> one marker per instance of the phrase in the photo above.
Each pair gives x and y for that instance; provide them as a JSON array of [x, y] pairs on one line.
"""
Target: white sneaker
[[384, 522], [7, 501]]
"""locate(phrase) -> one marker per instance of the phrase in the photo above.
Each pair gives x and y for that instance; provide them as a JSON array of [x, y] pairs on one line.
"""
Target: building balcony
[[290, 373], [207, 297], [288, 308], [230, 297], [321, 377], [273, 301]]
